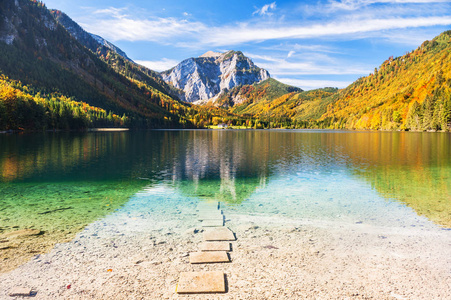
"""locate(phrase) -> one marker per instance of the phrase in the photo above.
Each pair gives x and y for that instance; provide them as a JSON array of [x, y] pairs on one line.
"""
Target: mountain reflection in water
[[54, 171]]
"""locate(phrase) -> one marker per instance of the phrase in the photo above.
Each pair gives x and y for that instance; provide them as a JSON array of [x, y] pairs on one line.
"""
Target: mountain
[[91, 41], [42, 57], [114, 56], [244, 98], [204, 77], [411, 92]]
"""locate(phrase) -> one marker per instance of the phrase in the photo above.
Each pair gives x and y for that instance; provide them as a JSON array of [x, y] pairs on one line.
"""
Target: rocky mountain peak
[[211, 54], [204, 77]]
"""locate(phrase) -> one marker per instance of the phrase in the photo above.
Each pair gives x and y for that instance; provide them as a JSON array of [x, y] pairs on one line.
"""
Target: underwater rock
[[21, 233]]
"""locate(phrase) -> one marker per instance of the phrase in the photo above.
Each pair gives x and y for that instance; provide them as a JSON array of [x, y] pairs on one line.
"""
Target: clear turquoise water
[[60, 182]]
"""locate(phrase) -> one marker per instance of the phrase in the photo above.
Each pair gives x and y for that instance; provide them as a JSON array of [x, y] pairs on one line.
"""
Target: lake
[[58, 183]]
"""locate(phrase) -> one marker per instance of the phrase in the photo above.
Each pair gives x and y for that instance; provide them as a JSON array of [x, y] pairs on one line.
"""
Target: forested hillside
[[114, 57], [411, 92], [40, 53], [25, 108]]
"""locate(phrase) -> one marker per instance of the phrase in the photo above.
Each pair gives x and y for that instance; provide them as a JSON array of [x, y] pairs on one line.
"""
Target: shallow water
[[61, 182]]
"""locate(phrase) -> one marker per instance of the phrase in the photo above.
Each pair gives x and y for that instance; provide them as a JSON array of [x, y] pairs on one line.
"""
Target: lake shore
[[136, 254]]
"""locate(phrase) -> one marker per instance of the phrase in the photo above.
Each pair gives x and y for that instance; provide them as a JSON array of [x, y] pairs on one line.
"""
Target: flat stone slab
[[207, 205], [210, 217], [209, 211], [20, 292], [212, 223], [201, 282], [219, 234], [208, 257], [215, 246]]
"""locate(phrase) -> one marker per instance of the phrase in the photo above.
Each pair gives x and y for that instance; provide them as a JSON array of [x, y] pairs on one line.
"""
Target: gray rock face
[[204, 77], [110, 46]]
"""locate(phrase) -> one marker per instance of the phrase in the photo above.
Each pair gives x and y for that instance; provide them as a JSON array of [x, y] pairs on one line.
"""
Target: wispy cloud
[[245, 33], [357, 4], [117, 25], [111, 11], [265, 10], [283, 67], [301, 48], [158, 65], [308, 65]]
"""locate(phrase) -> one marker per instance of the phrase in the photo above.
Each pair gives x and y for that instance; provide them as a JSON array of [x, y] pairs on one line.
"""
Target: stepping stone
[[20, 292], [214, 216], [219, 234], [201, 282], [217, 218], [208, 257], [208, 205], [208, 211], [212, 223], [215, 246]]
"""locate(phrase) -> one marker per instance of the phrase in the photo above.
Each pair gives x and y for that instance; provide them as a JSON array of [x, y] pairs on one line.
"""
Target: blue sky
[[309, 44]]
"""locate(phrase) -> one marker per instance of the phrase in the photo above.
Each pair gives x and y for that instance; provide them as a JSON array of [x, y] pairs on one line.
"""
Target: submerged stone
[[210, 217], [212, 223], [209, 211], [201, 282], [208, 205], [21, 233]]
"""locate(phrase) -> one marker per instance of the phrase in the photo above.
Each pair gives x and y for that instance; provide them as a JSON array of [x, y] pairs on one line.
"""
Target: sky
[[308, 44]]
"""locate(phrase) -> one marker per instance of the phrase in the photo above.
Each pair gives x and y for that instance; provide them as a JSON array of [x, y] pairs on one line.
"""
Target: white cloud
[[291, 53], [244, 33], [111, 11], [117, 25], [158, 65], [311, 65], [412, 38], [265, 9], [357, 4], [307, 84], [285, 68], [301, 48]]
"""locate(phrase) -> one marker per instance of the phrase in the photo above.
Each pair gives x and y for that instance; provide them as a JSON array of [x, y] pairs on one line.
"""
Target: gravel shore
[[139, 254]]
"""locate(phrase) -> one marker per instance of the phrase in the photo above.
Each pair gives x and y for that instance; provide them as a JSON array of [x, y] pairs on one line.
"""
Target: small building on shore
[[223, 126]]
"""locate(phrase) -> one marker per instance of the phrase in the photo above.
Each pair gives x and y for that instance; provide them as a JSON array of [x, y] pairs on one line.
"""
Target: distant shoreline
[[239, 128], [108, 129]]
